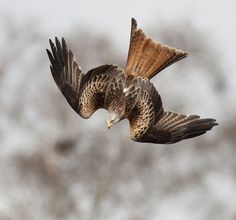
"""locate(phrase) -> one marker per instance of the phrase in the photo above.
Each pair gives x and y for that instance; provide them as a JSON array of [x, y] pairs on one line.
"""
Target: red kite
[[127, 93]]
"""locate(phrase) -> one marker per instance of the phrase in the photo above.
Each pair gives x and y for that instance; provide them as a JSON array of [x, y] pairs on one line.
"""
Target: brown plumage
[[146, 57], [126, 93]]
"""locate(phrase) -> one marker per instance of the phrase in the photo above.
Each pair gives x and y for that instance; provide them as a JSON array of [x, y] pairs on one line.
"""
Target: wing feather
[[115, 87], [174, 127], [132, 93], [84, 92], [66, 72], [149, 123], [146, 112]]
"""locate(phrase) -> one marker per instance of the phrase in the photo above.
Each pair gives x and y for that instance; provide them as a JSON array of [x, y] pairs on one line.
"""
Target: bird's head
[[116, 111]]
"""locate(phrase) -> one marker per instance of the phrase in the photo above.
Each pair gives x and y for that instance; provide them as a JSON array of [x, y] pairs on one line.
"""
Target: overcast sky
[[217, 18]]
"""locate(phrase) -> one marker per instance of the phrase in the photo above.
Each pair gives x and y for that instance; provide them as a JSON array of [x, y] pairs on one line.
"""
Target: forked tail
[[146, 57]]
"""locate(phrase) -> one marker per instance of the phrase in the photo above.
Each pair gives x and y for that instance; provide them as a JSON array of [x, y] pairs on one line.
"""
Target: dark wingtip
[[52, 45], [64, 45], [50, 42], [50, 56], [58, 43], [48, 52], [199, 127], [202, 124], [63, 39], [211, 122]]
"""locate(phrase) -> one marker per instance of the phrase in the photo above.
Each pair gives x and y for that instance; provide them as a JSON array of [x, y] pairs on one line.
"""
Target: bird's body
[[127, 93]]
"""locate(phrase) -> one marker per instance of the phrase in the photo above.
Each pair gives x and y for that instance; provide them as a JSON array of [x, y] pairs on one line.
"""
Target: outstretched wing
[[174, 127], [84, 92], [66, 72], [149, 123]]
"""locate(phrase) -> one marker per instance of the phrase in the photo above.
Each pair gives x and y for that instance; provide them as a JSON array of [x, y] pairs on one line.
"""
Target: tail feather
[[146, 57]]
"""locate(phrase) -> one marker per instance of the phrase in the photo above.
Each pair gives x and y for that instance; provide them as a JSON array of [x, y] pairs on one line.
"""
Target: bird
[[127, 93]]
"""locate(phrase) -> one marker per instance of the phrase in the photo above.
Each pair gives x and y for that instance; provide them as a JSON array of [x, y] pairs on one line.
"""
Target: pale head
[[116, 112], [112, 118]]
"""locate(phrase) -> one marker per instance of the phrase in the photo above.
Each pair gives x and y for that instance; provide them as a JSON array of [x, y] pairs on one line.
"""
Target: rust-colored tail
[[146, 57]]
